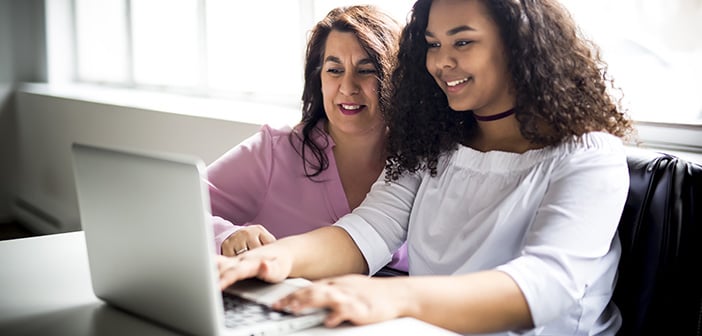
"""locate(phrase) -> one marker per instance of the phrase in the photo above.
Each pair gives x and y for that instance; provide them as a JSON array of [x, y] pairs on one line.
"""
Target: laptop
[[151, 249]]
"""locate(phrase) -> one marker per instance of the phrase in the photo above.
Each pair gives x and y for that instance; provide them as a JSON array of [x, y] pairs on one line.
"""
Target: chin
[[460, 107]]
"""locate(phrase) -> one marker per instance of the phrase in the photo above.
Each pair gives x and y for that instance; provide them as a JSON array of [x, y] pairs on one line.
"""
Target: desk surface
[[45, 288]]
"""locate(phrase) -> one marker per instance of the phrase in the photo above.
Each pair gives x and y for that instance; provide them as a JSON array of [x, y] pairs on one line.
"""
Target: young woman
[[507, 176], [287, 181]]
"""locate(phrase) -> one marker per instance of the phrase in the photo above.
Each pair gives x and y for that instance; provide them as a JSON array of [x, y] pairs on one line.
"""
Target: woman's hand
[[263, 263], [317, 254], [358, 299], [245, 239]]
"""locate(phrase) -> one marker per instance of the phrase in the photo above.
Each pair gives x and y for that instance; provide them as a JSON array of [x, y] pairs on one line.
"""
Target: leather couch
[[659, 288]]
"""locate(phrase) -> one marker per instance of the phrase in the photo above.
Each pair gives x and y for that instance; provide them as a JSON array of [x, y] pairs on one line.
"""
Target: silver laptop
[[151, 249]]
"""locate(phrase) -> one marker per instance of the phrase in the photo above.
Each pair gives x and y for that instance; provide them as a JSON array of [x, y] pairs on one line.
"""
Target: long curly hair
[[561, 83], [378, 34]]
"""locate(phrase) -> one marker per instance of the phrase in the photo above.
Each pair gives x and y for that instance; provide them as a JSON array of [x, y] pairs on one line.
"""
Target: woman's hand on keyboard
[[358, 299], [264, 263]]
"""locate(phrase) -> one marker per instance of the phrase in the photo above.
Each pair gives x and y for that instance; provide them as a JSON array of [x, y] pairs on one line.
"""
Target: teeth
[[350, 107], [456, 82]]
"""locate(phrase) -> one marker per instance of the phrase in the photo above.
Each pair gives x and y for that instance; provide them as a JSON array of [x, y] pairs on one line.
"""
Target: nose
[[349, 85], [443, 58]]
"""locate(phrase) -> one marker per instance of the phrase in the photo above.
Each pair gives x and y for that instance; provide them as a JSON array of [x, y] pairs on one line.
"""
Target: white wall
[[8, 150], [49, 120], [49, 123], [21, 59]]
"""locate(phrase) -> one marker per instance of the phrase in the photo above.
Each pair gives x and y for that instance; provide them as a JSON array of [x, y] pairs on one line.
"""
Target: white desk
[[45, 289]]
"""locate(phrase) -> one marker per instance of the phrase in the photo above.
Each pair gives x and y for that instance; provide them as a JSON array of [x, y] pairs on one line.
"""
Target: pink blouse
[[262, 181]]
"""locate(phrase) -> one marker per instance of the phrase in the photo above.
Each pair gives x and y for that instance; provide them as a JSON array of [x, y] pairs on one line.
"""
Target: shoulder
[[583, 151], [597, 146], [593, 141], [274, 136], [597, 155], [275, 132]]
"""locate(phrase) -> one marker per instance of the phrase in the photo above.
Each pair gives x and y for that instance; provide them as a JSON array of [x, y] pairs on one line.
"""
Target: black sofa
[[659, 288]]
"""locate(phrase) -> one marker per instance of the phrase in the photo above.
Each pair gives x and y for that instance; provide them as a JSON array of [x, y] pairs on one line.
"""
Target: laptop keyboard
[[241, 312]]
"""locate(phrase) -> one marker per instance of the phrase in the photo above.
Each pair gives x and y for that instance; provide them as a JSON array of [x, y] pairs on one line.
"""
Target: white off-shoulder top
[[546, 217]]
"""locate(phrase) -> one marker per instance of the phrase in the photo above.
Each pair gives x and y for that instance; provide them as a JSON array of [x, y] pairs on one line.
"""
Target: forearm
[[481, 302], [324, 252]]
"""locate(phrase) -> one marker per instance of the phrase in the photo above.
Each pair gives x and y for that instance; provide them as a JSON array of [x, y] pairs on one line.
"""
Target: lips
[[351, 109]]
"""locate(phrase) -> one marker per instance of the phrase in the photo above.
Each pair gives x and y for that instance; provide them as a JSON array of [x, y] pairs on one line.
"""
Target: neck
[[503, 135], [367, 149], [494, 117]]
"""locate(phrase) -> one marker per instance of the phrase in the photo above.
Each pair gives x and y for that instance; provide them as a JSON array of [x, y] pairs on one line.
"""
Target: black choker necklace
[[494, 116]]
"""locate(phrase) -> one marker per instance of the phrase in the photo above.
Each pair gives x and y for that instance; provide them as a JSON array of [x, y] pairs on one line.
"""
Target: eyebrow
[[335, 59], [452, 31]]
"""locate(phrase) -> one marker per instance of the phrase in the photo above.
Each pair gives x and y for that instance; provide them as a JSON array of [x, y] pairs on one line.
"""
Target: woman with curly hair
[[507, 176]]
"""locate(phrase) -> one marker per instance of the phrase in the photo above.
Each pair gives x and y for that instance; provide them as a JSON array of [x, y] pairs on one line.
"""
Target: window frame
[[62, 69]]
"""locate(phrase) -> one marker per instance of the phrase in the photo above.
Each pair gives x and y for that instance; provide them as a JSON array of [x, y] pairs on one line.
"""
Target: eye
[[367, 71], [431, 45], [463, 43], [335, 71]]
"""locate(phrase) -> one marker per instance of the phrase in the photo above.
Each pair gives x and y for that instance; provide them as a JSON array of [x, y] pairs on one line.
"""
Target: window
[[654, 52], [254, 51], [100, 30], [165, 43], [212, 47]]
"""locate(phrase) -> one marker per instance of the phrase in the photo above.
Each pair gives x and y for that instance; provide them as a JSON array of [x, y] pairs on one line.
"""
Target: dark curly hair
[[561, 84], [378, 35]]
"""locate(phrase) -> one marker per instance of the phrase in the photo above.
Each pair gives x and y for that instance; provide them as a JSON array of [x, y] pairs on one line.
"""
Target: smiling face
[[349, 86], [466, 57]]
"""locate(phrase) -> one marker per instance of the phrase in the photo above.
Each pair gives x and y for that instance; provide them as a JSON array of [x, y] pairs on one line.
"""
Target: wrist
[[406, 296]]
